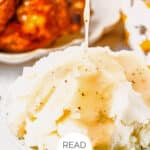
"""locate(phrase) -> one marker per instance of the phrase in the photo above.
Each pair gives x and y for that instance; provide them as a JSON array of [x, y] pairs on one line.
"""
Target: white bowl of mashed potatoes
[[93, 91]]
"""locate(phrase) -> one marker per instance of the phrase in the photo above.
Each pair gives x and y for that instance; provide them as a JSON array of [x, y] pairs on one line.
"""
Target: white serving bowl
[[105, 15]]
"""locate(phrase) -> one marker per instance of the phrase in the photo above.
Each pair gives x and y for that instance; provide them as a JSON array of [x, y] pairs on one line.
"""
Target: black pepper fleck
[[66, 81], [79, 108], [142, 29], [96, 93], [133, 81], [86, 70], [83, 94]]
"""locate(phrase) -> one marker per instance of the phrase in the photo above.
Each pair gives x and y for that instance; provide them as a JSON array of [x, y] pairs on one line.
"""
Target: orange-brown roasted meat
[[7, 10], [38, 23]]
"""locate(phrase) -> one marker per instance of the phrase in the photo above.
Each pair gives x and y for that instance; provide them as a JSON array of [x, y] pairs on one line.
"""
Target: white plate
[[105, 15]]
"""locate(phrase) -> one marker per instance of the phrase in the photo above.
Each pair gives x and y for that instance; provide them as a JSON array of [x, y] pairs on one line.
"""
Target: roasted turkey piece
[[30, 24], [7, 10]]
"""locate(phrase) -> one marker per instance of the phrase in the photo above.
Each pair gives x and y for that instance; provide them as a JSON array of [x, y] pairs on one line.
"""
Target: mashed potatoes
[[137, 24], [92, 91]]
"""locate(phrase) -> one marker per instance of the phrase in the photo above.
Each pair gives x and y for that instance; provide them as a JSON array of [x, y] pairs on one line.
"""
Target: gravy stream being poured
[[86, 23]]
